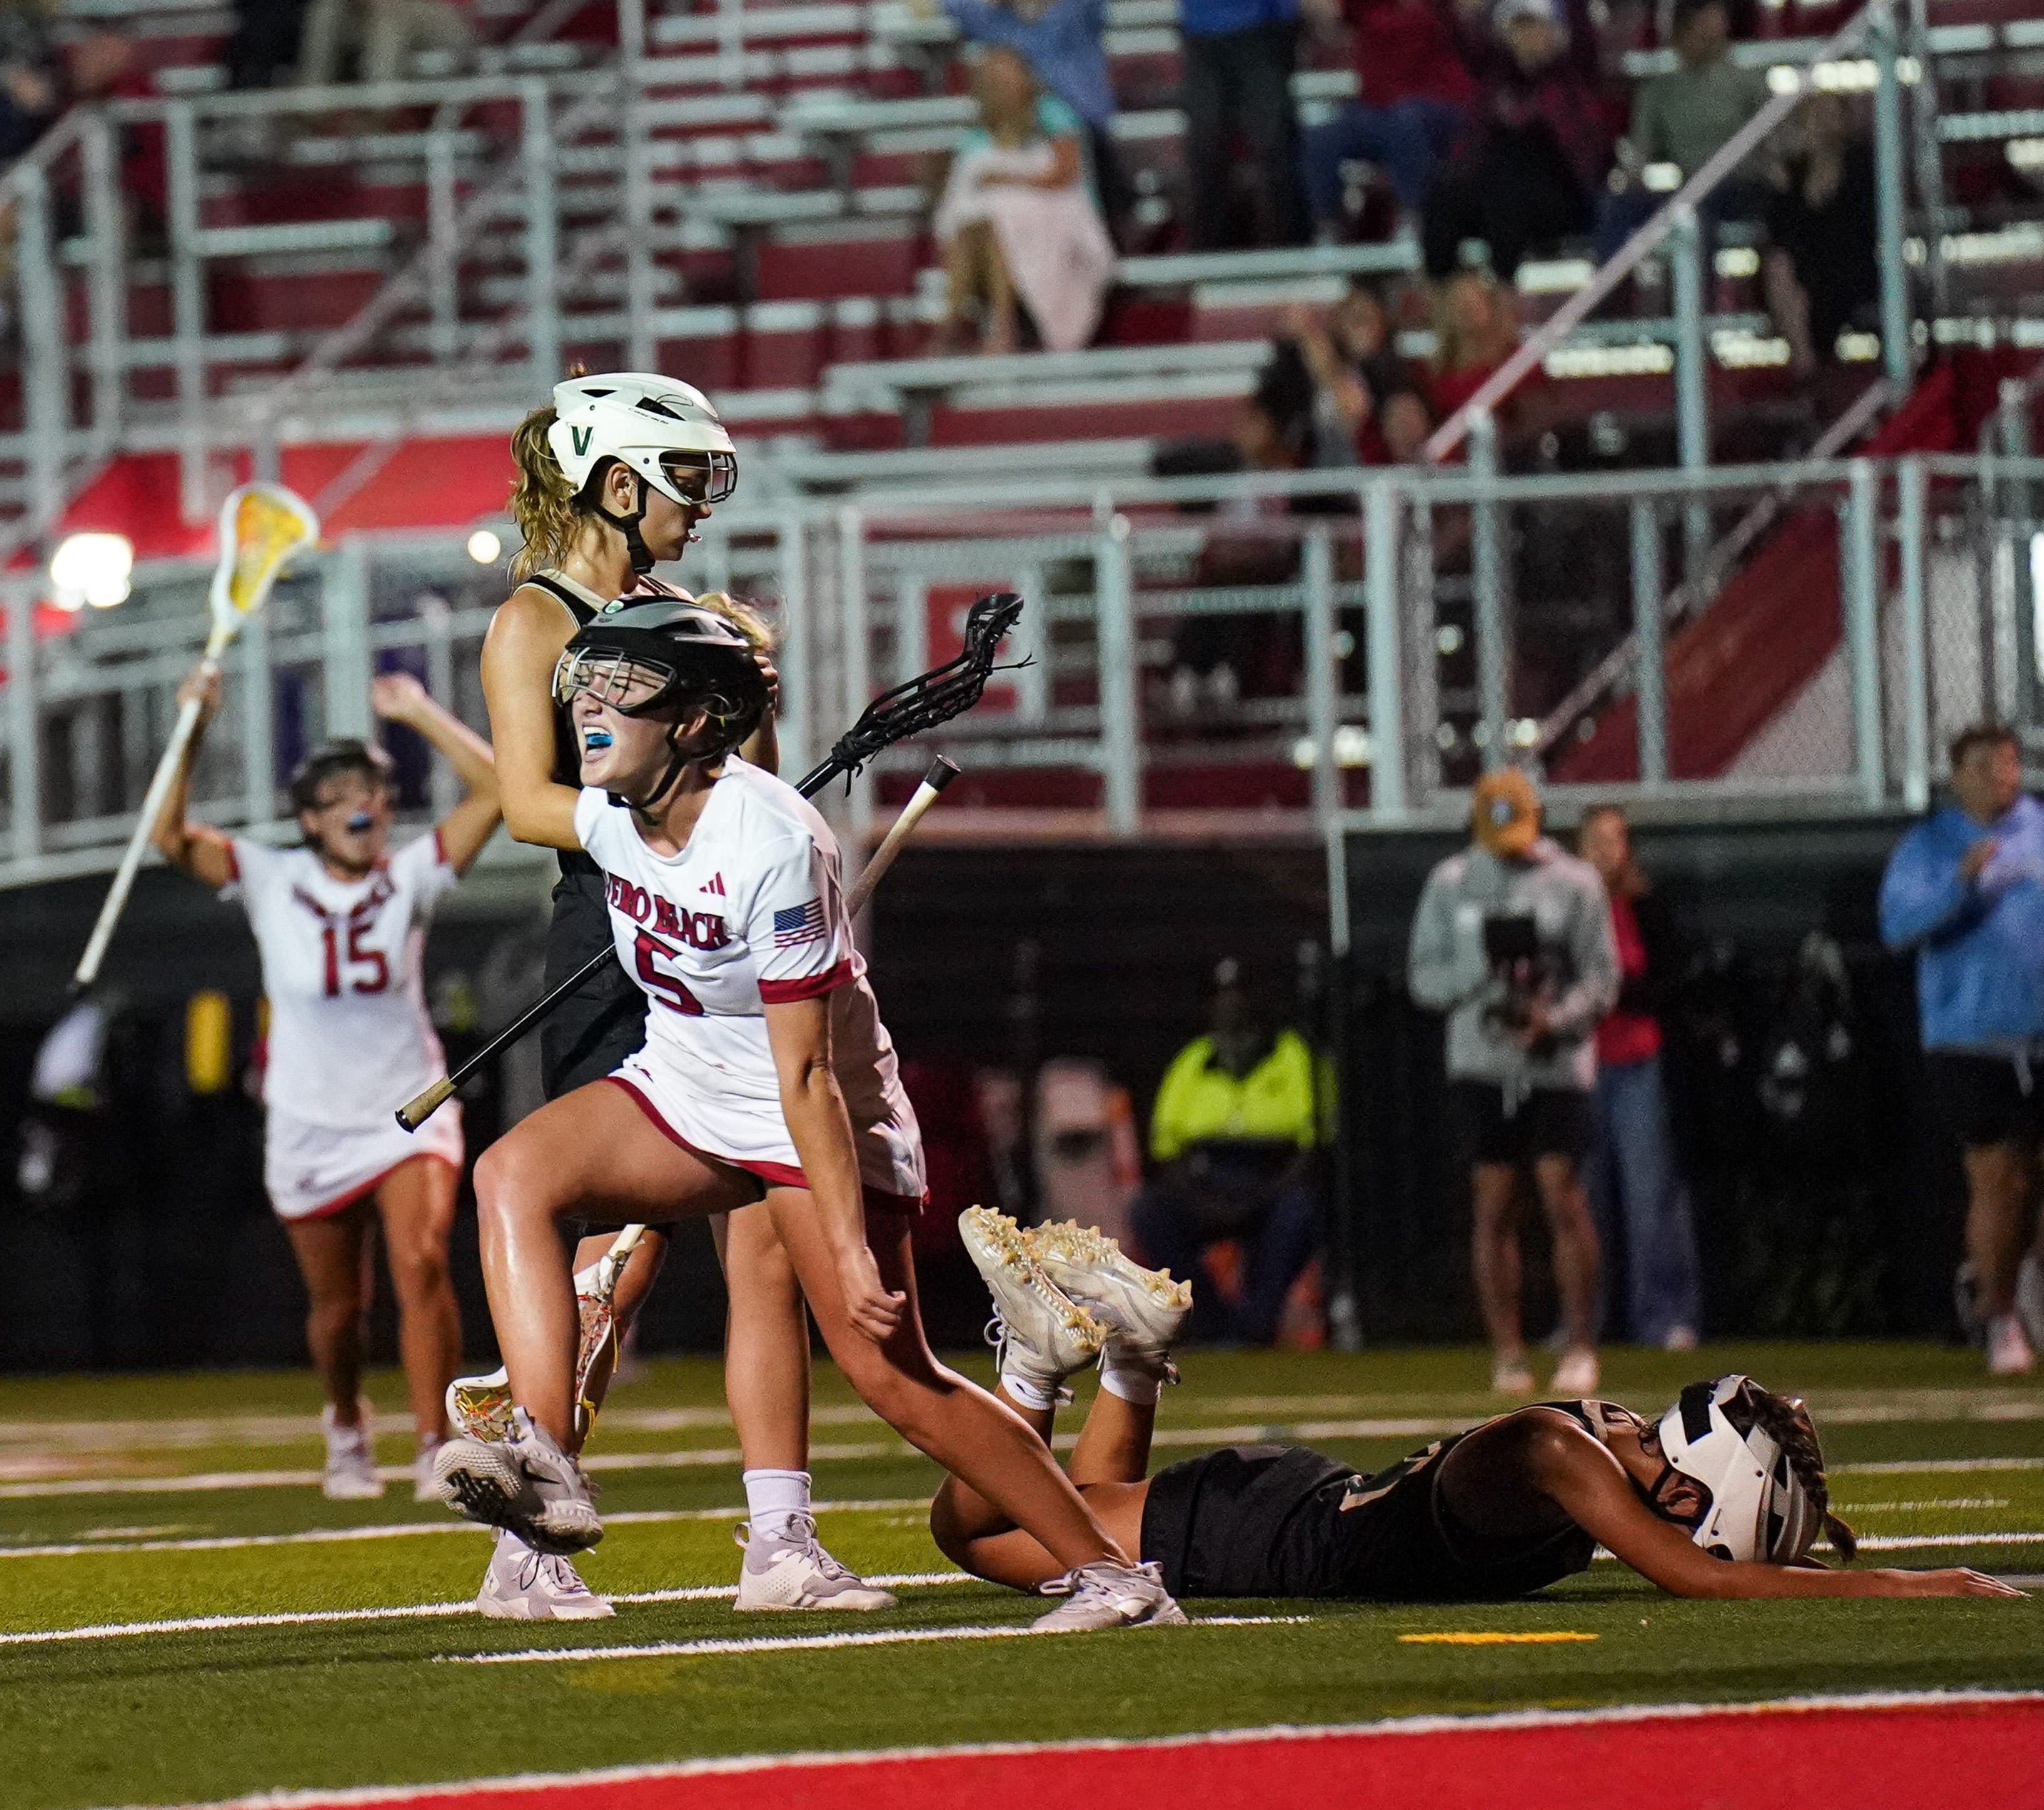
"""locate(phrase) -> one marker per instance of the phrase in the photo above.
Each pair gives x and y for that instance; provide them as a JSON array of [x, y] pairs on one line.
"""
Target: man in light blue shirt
[[1965, 890]]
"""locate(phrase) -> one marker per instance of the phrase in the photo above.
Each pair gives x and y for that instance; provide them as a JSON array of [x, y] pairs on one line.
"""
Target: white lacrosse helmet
[[1759, 1509], [642, 419]]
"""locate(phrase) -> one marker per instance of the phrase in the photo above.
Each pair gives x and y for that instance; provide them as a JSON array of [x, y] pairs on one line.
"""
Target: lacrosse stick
[[261, 526], [938, 696], [480, 1405]]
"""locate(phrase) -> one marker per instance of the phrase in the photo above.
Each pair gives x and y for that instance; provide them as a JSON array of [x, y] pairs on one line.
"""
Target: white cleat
[[1039, 1333], [350, 1465], [524, 1585], [1577, 1374], [2029, 1297], [1105, 1594], [526, 1484], [1140, 1310], [1512, 1376], [480, 1407], [424, 1486], [2008, 1353], [792, 1570]]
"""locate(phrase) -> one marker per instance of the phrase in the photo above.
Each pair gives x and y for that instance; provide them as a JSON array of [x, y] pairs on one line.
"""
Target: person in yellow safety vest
[[1235, 1128]]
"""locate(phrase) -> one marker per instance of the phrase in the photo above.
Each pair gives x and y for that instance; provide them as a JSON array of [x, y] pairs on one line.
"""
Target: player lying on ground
[[766, 1076], [340, 926], [1722, 1495]]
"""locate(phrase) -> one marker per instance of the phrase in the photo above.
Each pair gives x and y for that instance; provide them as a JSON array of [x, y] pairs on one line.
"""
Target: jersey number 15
[[378, 977]]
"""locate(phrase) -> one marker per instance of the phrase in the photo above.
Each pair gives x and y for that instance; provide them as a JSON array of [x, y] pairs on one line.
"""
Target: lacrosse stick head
[[261, 526]]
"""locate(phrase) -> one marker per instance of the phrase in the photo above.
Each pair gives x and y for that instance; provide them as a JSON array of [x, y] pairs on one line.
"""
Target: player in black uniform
[[1722, 1495], [614, 477]]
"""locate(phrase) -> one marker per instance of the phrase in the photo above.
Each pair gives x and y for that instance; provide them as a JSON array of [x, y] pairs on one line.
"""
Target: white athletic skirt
[[311, 1169], [756, 1140]]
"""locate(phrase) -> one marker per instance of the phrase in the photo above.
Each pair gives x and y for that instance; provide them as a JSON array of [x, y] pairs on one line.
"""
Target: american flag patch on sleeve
[[799, 924]]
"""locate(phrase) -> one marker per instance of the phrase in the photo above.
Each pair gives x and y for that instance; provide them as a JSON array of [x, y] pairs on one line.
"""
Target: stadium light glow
[[92, 568], [484, 547]]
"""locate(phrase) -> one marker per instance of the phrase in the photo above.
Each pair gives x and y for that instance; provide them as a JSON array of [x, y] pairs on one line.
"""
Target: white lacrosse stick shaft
[[228, 617]]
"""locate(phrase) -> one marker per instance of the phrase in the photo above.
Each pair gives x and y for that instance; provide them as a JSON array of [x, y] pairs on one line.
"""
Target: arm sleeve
[[1922, 898], [422, 868], [594, 815], [795, 924], [1444, 969], [1593, 953]]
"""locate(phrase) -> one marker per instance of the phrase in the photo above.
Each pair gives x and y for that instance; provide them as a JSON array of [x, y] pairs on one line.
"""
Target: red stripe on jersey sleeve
[[233, 866], [806, 986]]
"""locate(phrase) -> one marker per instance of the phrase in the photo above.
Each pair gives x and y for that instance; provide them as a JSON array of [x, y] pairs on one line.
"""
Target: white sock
[[1026, 1393], [771, 1496], [1138, 1386]]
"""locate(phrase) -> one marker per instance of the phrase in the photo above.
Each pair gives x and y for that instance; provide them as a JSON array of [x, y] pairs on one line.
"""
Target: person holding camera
[[1513, 940]]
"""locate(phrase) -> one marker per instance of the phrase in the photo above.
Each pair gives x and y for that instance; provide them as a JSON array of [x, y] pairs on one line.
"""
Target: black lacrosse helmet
[[704, 662]]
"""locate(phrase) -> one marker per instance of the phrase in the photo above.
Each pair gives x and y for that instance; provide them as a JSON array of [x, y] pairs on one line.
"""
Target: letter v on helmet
[[582, 436]]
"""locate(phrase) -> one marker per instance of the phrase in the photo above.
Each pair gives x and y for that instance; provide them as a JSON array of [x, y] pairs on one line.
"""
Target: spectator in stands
[[1017, 222], [1062, 40], [1328, 376], [1819, 274], [383, 35], [1965, 891], [1476, 329], [1236, 1128], [1634, 1171], [268, 36], [1237, 58], [1682, 118], [1415, 89], [32, 83], [1527, 171], [1405, 424], [1512, 940]]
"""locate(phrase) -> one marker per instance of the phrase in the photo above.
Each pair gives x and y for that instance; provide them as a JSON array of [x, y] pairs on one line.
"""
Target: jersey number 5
[[673, 994], [378, 978]]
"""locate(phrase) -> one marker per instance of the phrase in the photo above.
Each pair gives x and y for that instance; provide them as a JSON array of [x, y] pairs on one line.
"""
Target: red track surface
[[1982, 1756]]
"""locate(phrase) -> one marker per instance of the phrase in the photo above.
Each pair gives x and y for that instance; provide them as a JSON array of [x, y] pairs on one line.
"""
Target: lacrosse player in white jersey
[[766, 1076], [340, 926]]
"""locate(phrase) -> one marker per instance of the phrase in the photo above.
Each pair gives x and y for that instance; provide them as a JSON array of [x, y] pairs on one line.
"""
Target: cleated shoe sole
[[1141, 1309], [1045, 1335], [486, 1481]]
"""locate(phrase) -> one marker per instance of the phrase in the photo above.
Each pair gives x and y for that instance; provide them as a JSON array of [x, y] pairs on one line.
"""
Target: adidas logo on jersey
[[715, 885]]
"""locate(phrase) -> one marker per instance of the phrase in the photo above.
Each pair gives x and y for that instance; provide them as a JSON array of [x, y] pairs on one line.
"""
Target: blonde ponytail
[[542, 504], [742, 616]]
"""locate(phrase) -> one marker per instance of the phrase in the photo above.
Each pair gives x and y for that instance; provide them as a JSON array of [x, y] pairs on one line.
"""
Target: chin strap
[[627, 525]]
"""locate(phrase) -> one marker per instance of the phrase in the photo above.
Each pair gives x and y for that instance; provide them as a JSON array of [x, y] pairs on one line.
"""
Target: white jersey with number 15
[[350, 1038]]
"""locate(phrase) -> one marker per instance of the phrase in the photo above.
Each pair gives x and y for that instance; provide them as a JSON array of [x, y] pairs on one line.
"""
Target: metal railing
[[1344, 649]]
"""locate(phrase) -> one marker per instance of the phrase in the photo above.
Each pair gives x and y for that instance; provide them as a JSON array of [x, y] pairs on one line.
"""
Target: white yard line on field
[[1947, 1466], [406, 1611], [400, 1530], [1387, 1416], [808, 1642]]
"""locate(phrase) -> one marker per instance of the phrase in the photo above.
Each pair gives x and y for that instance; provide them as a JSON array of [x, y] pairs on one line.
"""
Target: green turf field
[[125, 1502]]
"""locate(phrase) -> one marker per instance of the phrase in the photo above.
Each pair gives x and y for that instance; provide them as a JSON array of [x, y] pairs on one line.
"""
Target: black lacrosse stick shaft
[[935, 696]]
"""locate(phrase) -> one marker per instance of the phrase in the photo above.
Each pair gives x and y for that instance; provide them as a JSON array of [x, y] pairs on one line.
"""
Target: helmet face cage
[[1759, 1509], [719, 472], [630, 686]]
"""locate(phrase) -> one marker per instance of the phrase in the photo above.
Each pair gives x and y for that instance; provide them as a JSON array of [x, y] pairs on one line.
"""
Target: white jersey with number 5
[[350, 1038], [749, 913]]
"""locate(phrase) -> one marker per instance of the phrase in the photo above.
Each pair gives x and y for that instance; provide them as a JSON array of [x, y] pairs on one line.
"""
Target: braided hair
[[1787, 1422]]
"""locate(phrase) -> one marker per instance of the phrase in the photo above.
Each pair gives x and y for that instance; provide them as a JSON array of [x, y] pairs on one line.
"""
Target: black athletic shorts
[[1548, 1121], [604, 1019], [1986, 1099]]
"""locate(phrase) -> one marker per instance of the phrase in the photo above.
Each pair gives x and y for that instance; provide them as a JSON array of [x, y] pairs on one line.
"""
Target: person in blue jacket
[[1965, 890]]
